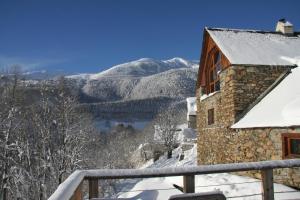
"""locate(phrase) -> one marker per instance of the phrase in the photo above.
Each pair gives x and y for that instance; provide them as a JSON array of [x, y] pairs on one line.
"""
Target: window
[[212, 71], [210, 116], [291, 145]]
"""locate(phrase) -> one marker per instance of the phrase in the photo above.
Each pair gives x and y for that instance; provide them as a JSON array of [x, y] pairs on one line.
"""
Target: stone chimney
[[285, 27]]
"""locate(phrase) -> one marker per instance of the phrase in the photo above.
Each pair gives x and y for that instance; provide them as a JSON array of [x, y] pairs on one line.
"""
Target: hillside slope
[[172, 83], [141, 79], [137, 90], [140, 68]]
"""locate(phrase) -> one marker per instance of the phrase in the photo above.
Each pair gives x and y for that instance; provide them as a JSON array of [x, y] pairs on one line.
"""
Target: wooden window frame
[[214, 61], [286, 145], [210, 116]]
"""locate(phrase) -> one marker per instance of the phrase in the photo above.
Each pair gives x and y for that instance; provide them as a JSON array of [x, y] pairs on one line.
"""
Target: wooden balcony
[[71, 188]]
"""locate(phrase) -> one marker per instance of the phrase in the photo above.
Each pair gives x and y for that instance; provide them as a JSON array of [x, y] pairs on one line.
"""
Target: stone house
[[248, 98]]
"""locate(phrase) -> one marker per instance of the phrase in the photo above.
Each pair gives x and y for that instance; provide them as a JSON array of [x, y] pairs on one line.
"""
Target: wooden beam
[[189, 184], [67, 189], [186, 171], [93, 188], [267, 184], [78, 193]]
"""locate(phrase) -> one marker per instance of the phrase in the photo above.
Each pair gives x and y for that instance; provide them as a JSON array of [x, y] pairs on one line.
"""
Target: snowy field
[[233, 186]]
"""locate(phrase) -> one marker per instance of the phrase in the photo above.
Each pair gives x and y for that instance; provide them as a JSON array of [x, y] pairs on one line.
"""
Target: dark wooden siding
[[208, 45]]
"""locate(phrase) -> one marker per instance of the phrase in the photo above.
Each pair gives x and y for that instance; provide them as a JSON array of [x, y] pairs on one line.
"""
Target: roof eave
[[292, 66], [264, 127], [201, 57]]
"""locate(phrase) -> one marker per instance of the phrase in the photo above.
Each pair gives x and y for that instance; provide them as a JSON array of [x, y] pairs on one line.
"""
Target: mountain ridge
[[139, 68], [133, 91], [140, 79]]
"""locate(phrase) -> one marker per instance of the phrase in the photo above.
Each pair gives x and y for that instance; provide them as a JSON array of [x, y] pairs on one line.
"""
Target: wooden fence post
[[78, 193], [267, 184], [93, 188], [189, 184]]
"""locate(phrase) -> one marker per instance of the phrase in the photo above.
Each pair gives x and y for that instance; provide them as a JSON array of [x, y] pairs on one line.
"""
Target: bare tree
[[44, 138], [70, 129], [10, 127], [42, 119], [166, 130], [41, 142], [120, 143]]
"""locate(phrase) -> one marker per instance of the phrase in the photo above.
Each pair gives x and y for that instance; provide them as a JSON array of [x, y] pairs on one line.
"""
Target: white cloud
[[27, 64]]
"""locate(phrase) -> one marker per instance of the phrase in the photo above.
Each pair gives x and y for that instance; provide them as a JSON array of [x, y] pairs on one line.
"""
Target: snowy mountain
[[140, 79], [43, 74], [175, 83], [136, 90], [140, 68]]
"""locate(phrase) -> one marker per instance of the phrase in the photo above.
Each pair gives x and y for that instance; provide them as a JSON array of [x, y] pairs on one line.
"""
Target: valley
[[135, 92]]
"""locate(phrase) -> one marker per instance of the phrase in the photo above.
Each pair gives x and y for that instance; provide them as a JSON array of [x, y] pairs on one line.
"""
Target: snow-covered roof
[[191, 105], [250, 47], [279, 108], [287, 23]]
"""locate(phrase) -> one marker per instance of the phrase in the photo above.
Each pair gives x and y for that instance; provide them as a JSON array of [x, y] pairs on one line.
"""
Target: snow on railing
[[67, 189], [71, 187]]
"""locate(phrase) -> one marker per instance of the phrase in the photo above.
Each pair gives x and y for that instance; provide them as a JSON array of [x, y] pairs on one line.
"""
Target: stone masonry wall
[[250, 82], [218, 143]]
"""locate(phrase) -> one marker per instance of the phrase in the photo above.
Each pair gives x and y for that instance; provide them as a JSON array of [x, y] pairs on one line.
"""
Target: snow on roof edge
[[246, 30], [236, 126], [231, 52]]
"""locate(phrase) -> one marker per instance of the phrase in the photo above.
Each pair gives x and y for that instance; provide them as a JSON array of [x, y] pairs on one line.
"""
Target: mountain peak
[[145, 60], [141, 68], [177, 59]]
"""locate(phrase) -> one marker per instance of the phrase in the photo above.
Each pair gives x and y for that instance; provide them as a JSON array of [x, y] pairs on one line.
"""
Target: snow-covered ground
[[233, 186]]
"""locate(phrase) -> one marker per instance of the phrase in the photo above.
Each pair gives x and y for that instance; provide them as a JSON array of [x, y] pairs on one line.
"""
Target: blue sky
[[90, 36]]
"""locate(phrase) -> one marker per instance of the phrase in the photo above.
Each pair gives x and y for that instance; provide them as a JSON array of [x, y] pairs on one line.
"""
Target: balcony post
[[267, 184], [78, 193], [189, 184], [93, 188]]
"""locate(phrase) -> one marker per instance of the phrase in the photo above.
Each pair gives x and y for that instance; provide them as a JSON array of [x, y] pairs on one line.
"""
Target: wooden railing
[[71, 188]]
